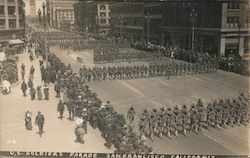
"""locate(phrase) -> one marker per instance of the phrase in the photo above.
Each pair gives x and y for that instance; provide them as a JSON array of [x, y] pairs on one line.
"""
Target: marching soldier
[[22, 71], [39, 93], [131, 114], [46, 92], [40, 122], [24, 88], [32, 93]]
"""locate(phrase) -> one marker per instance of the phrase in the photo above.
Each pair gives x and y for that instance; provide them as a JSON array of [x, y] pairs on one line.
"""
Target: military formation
[[83, 103], [216, 114], [144, 71]]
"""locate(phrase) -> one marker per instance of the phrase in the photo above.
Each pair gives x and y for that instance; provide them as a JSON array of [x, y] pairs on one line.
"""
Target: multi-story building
[[137, 20], [12, 19], [61, 12], [218, 27], [93, 16], [127, 20], [32, 7]]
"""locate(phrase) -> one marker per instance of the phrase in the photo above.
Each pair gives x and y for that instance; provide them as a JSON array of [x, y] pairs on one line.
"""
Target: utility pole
[[147, 16], [45, 35], [193, 14]]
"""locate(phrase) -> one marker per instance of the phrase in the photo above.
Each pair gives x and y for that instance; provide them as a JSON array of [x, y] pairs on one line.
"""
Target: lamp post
[[121, 22], [147, 17], [193, 14], [45, 35]]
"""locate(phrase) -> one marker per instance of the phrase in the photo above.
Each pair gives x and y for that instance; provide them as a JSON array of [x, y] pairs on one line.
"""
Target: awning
[[15, 42]]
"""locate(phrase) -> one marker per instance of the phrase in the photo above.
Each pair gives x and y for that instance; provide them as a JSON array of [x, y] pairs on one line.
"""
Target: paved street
[[157, 92], [59, 134]]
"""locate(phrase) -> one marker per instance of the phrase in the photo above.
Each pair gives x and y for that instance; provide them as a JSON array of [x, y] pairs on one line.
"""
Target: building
[[12, 19], [137, 20], [218, 27], [127, 20], [93, 16], [61, 13], [32, 7]]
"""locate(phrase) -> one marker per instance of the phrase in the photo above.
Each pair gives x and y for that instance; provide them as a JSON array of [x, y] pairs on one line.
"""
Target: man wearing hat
[[60, 108], [84, 116], [79, 131], [40, 122]]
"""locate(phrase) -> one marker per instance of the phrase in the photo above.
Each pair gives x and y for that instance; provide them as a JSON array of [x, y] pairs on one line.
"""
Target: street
[[157, 92]]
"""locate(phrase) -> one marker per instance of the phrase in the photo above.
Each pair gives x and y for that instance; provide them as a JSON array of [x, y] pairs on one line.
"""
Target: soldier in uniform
[[57, 88], [210, 116], [84, 116], [60, 108], [32, 71], [40, 122], [46, 92], [24, 88], [194, 118], [169, 122], [32, 93], [39, 93], [30, 83], [22, 71], [185, 119], [177, 119], [71, 109], [131, 114]]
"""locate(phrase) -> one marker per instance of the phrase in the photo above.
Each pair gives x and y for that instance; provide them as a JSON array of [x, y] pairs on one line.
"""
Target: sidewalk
[[59, 134]]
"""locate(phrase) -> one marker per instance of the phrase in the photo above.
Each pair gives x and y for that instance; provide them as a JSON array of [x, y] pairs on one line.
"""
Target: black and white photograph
[[125, 78]]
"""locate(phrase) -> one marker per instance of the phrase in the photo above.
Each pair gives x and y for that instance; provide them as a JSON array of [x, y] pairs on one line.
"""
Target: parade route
[[158, 92], [59, 134]]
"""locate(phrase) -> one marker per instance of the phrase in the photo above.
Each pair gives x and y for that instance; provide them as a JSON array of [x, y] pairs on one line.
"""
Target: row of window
[[12, 24], [103, 7], [233, 5], [233, 21], [11, 10]]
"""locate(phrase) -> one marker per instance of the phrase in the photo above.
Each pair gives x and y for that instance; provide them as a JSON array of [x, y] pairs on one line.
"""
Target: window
[[102, 13], [233, 5], [2, 24], [1, 10], [233, 21], [12, 23], [103, 21], [102, 7], [11, 10]]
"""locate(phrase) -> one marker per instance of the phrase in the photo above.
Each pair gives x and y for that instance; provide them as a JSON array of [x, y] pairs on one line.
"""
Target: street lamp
[[121, 22], [147, 17], [193, 14], [45, 36]]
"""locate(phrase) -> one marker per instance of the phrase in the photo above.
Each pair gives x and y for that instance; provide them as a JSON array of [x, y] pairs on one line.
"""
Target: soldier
[[84, 116], [24, 88], [32, 93], [22, 71], [57, 88], [167, 72], [46, 92], [30, 83], [169, 122], [60, 108], [131, 114], [194, 118], [39, 93], [40, 122], [210, 115], [71, 109], [143, 126], [177, 119], [32, 71], [185, 118]]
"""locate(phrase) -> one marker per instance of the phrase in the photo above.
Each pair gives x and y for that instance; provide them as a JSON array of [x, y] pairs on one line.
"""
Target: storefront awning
[[15, 42]]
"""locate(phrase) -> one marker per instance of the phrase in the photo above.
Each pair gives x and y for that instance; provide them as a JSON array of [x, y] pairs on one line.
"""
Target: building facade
[[218, 27], [32, 7], [12, 19], [93, 16], [127, 20], [61, 13]]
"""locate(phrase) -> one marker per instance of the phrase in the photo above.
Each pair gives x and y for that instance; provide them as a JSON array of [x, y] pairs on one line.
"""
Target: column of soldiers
[[217, 114], [83, 103], [144, 71]]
